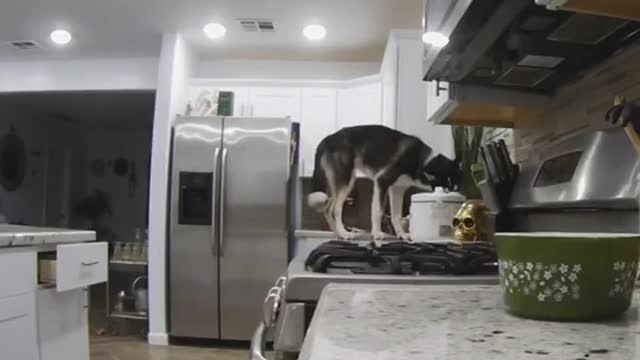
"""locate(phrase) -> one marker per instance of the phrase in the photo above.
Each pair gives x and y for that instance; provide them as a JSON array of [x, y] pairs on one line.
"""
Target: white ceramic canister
[[432, 213]]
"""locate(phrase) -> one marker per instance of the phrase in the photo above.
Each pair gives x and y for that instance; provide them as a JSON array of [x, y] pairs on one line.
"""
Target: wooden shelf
[[129, 315], [128, 266]]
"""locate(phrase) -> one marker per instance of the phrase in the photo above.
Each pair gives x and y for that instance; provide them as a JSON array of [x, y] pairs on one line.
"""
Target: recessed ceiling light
[[214, 30], [435, 39], [314, 32], [60, 37]]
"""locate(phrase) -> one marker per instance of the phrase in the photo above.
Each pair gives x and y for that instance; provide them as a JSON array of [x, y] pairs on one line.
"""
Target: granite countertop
[[20, 235], [365, 321]]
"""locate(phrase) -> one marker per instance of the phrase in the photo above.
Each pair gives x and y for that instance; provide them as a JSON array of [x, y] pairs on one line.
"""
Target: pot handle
[[135, 282]]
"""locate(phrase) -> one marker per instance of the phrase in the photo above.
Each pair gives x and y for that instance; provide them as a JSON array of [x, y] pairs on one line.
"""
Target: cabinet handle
[[15, 317], [439, 88], [90, 263]]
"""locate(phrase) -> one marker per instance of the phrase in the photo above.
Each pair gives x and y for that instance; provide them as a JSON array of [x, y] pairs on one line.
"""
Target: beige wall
[[581, 107]]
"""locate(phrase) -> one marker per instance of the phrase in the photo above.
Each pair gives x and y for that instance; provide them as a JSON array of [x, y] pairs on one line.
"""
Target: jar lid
[[438, 195]]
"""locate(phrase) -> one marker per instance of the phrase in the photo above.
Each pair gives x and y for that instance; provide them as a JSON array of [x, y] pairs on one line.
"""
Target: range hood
[[624, 9], [517, 44]]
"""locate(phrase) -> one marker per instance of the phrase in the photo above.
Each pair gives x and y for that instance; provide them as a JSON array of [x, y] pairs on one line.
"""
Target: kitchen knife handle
[[223, 176], [215, 202], [487, 167]]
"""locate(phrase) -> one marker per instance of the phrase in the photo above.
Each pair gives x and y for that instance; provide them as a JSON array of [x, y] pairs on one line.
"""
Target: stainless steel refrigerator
[[232, 214]]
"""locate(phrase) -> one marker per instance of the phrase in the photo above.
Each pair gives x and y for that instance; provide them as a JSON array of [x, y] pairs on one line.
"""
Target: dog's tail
[[318, 197]]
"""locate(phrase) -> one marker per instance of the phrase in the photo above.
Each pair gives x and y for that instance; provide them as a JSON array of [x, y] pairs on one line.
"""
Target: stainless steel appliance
[[232, 214], [516, 44], [588, 183], [289, 305]]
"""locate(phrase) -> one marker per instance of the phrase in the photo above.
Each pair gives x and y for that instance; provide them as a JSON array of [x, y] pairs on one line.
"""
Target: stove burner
[[402, 258]]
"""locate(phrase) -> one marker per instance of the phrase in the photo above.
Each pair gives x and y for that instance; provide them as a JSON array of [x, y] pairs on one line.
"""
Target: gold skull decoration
[[471, 222]]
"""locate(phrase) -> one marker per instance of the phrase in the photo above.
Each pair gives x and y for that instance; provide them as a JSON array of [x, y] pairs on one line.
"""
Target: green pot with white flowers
[[567, 276]]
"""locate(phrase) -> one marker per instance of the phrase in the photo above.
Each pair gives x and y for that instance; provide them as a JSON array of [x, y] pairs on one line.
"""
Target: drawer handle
[[13, 318], [90, 263]]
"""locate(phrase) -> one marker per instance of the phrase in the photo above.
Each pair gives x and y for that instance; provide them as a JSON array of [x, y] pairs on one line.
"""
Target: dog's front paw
[[404, 236], [378, 235], [346, 235]]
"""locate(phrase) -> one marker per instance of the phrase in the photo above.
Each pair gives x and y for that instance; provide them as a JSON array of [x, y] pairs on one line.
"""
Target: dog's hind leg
[[379, 192], [329, 215], [340, 198], [396, 197]]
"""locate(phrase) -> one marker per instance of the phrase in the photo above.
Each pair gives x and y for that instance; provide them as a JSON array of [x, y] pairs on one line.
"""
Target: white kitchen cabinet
[[360, 105], [18, 333], [275, 102], [318, 119], [63, 328]]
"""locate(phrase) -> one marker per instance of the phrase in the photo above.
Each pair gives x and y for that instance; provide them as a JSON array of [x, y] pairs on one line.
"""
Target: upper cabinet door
[[360, 105], [318, 120], [275, 102]]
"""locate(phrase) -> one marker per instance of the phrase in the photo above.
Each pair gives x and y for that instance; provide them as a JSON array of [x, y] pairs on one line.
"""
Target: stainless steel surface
[[256, 350], [193, 271], [271, 306], [304, 285], [216, 291], [290, 329], [222, 203], [216, 200], [255, 219], [605, 177]]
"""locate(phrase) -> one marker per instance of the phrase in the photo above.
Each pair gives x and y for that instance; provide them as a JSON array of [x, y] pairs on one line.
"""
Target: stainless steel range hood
[[516, 44]]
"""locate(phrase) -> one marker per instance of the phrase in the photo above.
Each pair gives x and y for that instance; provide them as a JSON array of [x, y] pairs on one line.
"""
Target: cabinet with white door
[[360, 104], [274, 102], [318, 119], [44, 275]]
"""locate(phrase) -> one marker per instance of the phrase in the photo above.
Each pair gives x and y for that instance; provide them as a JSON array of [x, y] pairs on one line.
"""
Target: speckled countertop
[[364, 321], [20, 235]]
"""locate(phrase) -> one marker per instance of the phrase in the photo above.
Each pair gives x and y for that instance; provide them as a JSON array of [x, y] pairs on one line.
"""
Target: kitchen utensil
[[504, 161], [471, 222], [511, 168], [496, 158], [486, 186], [431, 214], [140, 295], [567, 276]]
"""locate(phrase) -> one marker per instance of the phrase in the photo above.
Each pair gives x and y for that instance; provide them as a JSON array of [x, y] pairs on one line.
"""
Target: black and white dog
[[393, 160]]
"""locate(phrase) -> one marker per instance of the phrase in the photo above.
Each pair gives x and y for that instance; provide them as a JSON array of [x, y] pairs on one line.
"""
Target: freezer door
[[253, 248], [193, 261]]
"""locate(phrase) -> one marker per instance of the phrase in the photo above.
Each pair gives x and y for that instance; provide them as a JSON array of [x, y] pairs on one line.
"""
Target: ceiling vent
[[24, 45], [257, 25]]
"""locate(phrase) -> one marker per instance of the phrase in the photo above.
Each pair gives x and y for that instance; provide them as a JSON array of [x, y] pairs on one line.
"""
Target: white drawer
[[80, 265], [18, 329], [17, 272]]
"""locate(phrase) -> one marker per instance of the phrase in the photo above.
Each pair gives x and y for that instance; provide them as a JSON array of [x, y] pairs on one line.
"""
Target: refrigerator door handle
[[223, 175], [214, 198]]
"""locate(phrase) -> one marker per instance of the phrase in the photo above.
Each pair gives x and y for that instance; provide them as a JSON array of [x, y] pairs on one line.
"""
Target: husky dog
[[393, 160]]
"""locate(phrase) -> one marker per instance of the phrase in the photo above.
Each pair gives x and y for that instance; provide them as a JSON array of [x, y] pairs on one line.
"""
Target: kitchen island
[[44, 276], [366, 321]]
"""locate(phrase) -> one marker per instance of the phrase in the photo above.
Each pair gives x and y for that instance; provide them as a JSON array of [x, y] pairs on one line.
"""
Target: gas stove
[[403, 258]]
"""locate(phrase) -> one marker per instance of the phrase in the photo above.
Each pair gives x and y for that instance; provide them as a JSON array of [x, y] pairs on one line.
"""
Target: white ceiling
[[130, 109], [357, 29]]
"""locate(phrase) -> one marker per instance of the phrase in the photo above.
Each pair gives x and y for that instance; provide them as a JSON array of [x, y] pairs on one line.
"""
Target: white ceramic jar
[[432, 213]]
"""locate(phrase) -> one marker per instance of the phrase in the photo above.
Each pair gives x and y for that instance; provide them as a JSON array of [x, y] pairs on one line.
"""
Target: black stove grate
[[402, 258]]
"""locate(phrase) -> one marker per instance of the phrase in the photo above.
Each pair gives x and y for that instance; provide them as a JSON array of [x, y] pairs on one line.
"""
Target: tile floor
[[132, 348]]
